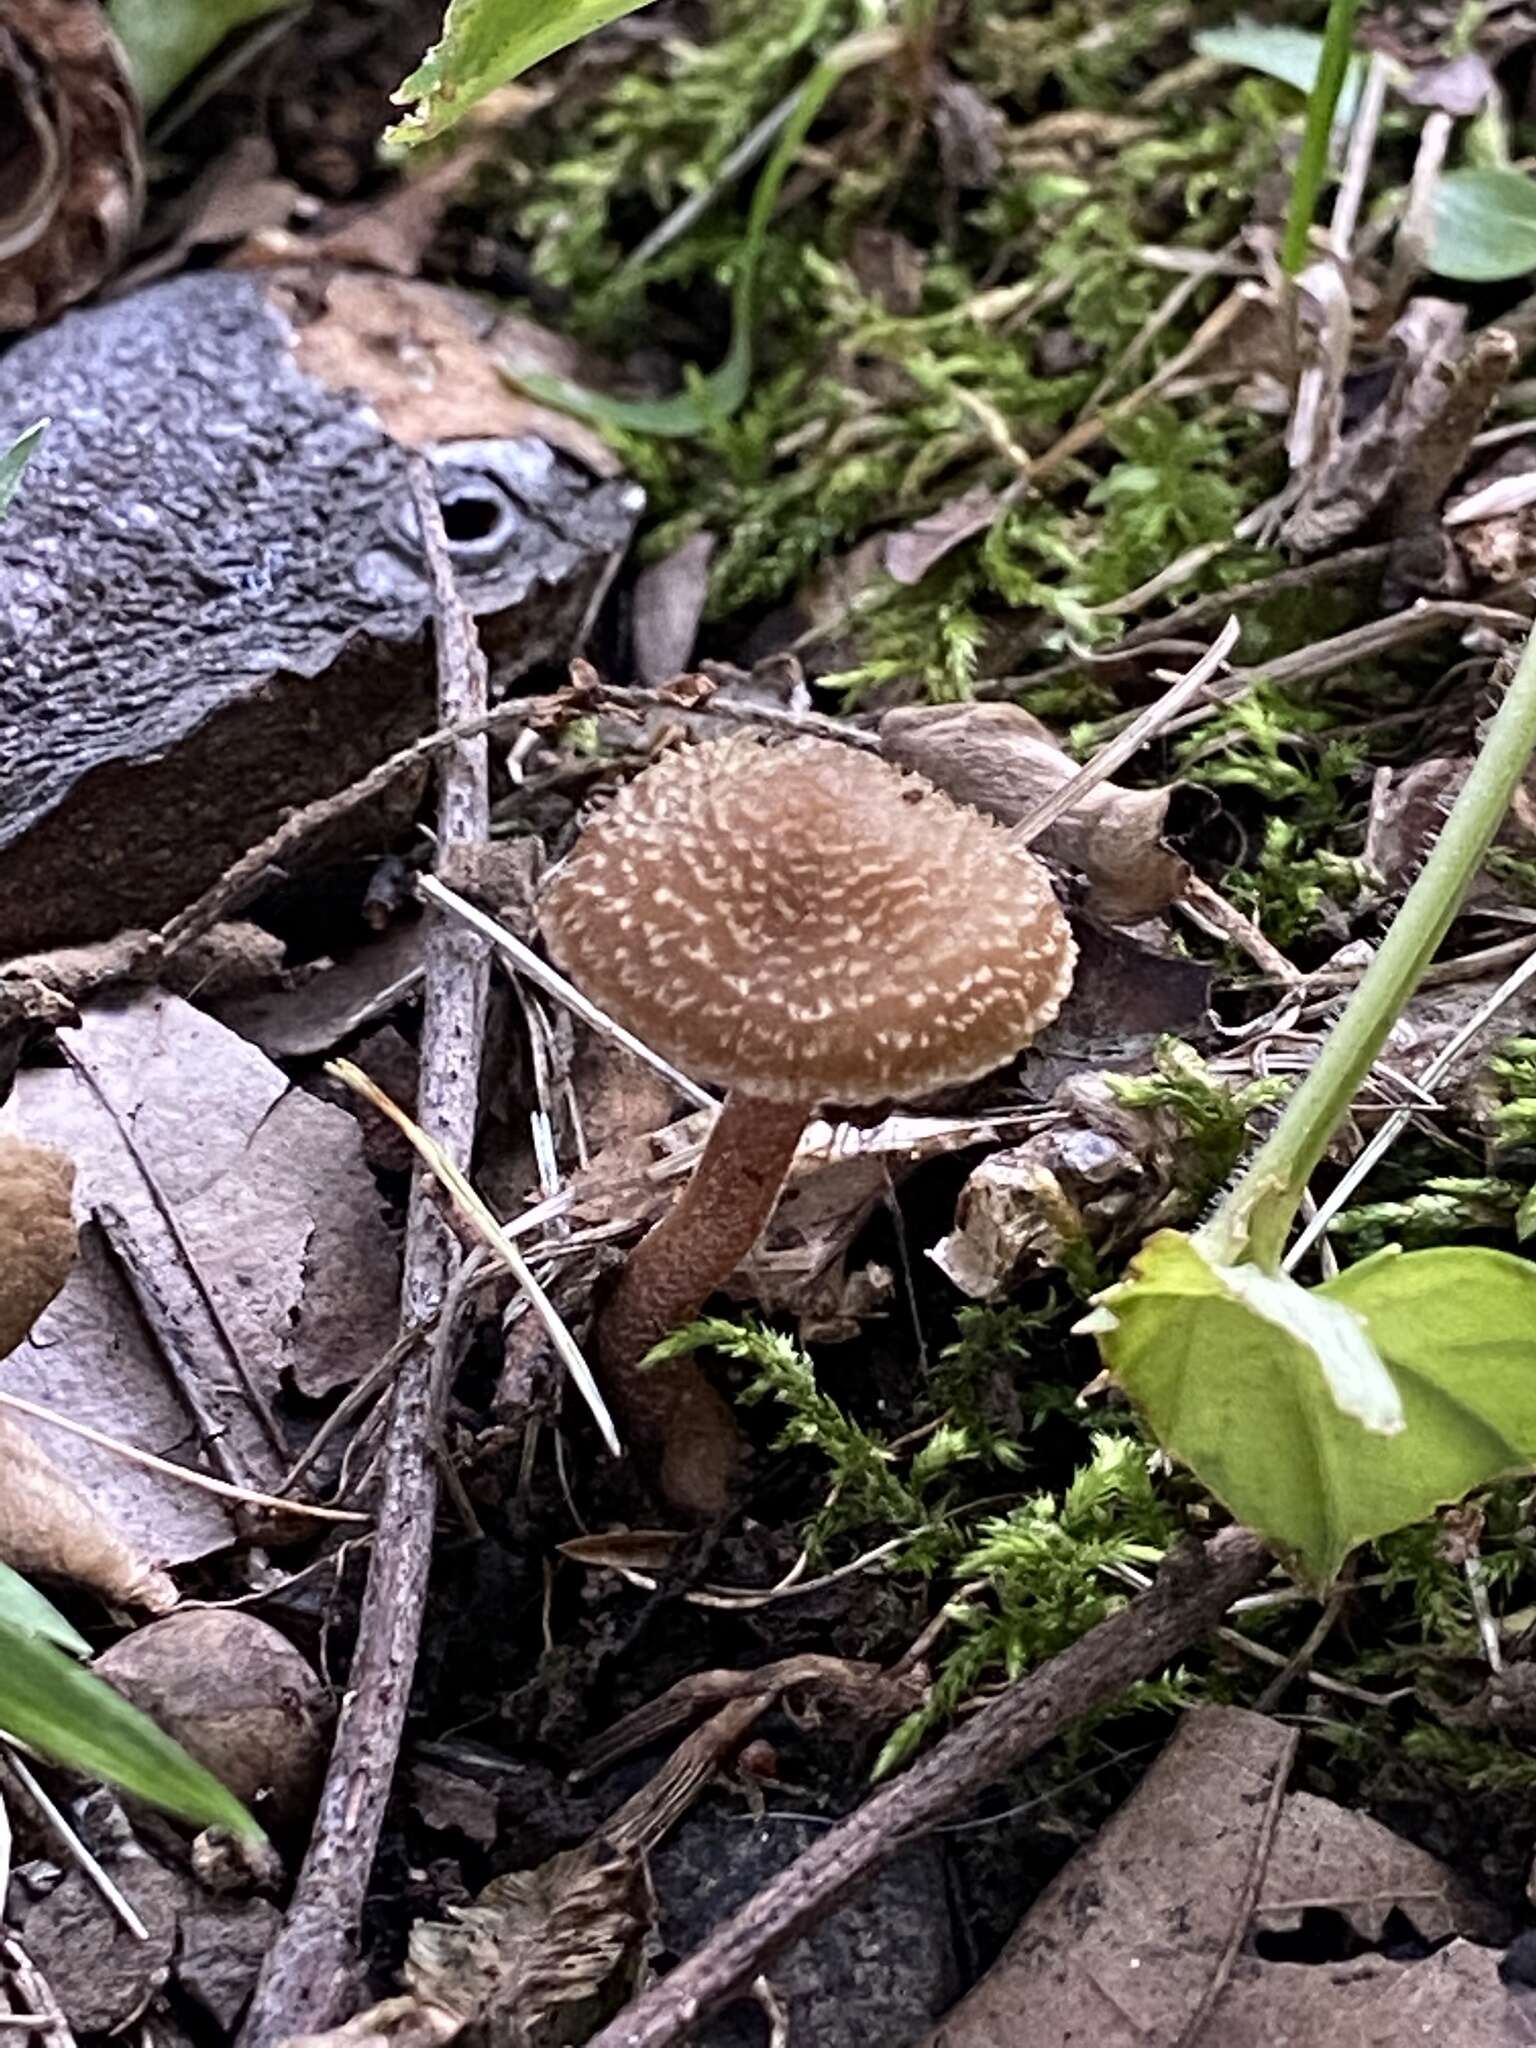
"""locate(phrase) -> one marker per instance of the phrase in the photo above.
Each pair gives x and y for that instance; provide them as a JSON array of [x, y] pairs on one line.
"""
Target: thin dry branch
[[1193, 1591], [308, 1979]]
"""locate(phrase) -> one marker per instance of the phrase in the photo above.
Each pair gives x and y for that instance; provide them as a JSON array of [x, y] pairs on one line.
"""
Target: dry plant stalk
[[46, 1524]]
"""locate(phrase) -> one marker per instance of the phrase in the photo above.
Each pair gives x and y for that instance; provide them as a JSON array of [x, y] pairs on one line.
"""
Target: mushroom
[[803, 924]]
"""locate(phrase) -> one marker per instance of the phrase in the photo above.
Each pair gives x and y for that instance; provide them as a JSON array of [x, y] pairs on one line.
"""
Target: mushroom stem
[[670, 1413]]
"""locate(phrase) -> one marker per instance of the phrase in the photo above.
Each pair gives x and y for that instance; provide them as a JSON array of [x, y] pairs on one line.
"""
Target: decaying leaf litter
[[996, 414]]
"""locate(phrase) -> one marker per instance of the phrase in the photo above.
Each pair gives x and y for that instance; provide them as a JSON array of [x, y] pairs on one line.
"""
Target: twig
[[1299, 1664], [69, 1840], [166, 1209], [752, 146], [1116, 752], [1357, 162], [1193, 1591], [1389, 1133], [167, 1337], [1209, 908], [307, 1980], [523, 960], [1261, 1653], [167, 1467]]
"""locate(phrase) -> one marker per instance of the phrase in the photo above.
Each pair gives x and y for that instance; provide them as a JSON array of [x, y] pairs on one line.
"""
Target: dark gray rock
[[875, 1974], [212, 606]]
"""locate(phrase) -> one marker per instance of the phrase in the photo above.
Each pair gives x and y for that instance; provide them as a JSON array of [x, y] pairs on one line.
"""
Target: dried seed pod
[[46, 1523], [237, 1696], [73, 183]]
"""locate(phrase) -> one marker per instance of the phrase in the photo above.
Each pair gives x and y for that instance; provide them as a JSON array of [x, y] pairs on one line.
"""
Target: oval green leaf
[[165, 40], [1293, 55], [1485, 226], [1246, 1403]]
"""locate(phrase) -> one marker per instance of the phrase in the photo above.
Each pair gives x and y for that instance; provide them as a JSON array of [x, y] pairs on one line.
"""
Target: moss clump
[[957, 274]]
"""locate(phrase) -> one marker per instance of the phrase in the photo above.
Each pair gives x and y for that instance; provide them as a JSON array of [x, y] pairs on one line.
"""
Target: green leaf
[[16, 458], [23, 1607], [1293, 55], [1485, 226], [166, 40], [484, 44], [48, 1702], [1245, 1402]]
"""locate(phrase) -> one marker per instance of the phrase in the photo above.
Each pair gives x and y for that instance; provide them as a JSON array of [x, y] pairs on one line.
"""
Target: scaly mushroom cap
[[808, 924]]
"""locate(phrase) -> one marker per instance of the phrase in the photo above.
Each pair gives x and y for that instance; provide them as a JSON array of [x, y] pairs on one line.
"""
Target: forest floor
[[999, 421]]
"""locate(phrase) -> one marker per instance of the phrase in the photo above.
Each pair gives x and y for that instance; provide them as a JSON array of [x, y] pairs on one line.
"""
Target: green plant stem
[[1255, 1219], [1322, 105]]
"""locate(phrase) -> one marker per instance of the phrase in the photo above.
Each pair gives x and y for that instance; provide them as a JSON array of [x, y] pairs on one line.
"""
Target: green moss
[[1212, 1116], [862, 417]]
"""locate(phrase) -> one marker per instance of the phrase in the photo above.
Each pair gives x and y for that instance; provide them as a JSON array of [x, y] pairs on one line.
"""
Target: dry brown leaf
[[1396, 463], [999, 758], [74, 169], [1323, 1852], [1014, 1213], [539, 1960], [1138, 1942], [668, 605], [645, 1550], [1102, 1175], [1126, 1944], [312, 1010], [284, 1223], [1453, 1999], [47, 1525], [37, 1233], [912, 552], [238, 195], [395, 233], [426, 361]]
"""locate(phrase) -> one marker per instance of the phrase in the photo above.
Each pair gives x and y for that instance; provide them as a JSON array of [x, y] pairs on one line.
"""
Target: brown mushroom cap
[[806, 923]]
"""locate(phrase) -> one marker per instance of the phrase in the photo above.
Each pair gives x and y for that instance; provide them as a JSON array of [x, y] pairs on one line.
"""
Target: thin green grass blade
[[73, 1717]]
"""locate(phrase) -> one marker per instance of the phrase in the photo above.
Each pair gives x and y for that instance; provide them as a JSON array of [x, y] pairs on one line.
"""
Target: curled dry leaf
[[45, 1525], [37, 1233], [74, 171], [542, 1955], [1104, 1175], [1392, 467], [1001, 760]]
